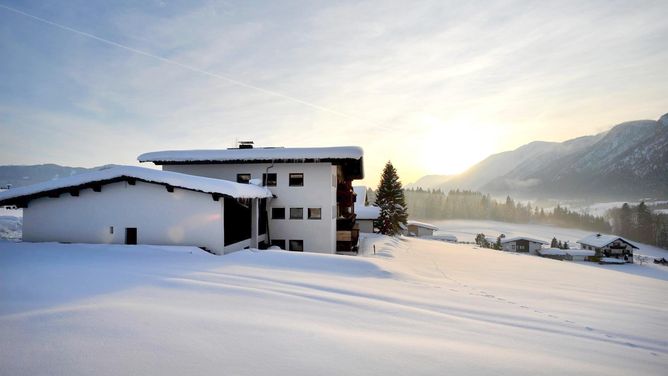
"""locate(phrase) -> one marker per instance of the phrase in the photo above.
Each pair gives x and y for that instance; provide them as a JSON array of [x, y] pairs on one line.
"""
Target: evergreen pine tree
[[391, 200], [554, 243]]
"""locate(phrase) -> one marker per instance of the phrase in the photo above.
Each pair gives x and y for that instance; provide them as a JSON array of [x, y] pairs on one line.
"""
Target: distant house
[[366, 215], [609, 246], [553, 253], [420, 229], [135, 205], [522, 244]]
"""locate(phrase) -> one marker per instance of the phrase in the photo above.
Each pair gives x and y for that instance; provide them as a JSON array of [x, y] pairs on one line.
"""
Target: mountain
[[629, 161], [18, 176]]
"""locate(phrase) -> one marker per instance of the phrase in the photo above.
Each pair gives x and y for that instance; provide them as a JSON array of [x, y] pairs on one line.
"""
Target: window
[[277, 213], [278, 243], [269, 180], [296, 213], [243, 178], [297, 245], [296, 180], [314, 213]]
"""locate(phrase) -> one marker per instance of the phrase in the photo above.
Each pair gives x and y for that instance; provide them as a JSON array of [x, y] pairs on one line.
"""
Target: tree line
[[465, 204], [638, 222]]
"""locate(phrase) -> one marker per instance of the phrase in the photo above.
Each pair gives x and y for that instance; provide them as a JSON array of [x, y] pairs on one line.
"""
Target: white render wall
[[182, 217], [319, 191]]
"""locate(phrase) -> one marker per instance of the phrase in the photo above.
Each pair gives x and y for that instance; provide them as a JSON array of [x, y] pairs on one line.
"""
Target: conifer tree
[[391, 201]]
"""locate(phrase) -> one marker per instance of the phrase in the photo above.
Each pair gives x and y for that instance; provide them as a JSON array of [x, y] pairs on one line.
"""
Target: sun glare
[[453, 146]]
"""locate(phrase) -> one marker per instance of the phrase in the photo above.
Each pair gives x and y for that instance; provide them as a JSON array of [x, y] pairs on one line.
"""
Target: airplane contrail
[[186, 66]]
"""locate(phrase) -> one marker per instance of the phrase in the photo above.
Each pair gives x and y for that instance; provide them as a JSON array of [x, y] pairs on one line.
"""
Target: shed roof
[[422, 224], [121, 173], [580, 252], [508, 240], [599, 241], [552, 252], [367, 212]]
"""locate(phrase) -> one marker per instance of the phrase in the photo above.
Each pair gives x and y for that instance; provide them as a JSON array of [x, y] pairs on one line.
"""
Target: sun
[[451, 147]]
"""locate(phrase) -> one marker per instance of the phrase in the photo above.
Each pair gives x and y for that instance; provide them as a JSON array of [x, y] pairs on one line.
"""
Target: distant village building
[[579, 254], [420, 229], [553, 253], [366, 215], [609, 246], [522, 244], [313, 206], [135, 205]]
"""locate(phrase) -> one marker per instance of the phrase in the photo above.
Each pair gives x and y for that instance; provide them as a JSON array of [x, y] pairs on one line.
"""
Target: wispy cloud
[[400, 79]]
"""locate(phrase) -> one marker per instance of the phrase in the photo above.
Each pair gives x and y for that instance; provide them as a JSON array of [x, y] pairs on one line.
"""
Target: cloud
[[529, 69]]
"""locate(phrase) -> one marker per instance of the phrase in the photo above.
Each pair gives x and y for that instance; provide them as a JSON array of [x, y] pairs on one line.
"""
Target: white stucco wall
[[318, 192], [179, 218]]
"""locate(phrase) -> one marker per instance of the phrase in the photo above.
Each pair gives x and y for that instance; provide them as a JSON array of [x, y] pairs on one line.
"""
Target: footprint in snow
[[629, 344], [523, 306], [589, 328]]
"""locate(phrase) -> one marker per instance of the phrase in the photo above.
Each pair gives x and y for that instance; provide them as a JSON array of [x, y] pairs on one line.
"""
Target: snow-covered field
[[414, 307], [466, 230]]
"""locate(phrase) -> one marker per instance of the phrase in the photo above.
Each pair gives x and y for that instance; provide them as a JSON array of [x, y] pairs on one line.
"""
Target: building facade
[[313, 204], [133, 205], [522, 244]]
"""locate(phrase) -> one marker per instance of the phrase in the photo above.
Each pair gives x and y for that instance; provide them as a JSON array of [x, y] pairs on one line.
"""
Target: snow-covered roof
[[447, 238], [508, 240], [367, 212], [254, 154], [552, 252], [173, 179], [580, 252], [599, 241], [422, 224]]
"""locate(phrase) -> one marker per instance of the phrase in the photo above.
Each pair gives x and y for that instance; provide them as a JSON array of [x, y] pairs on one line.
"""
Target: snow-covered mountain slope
[[413, 307], [18, 176], [629, 161]]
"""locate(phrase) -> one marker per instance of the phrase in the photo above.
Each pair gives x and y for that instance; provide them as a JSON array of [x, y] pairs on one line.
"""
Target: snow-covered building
[[610, 246], [135, 205], [579, 254], [522, 244], [313, 205], [553, 253], [420, 229], [365, 214]]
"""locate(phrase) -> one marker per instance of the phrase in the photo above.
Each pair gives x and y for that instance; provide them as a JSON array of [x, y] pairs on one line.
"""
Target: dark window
[[297, 245], [296, 180], [296, 213], [314, 213], [237, 223], [263, 217], [130, 235], [243, 178], [277, 213], [278, 243], [269, 180]]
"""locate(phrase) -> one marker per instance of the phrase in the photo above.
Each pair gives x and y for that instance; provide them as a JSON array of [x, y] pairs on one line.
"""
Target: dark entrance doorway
[[130, 235]]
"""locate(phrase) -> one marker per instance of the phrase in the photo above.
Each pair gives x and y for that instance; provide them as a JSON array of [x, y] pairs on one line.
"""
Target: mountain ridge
[[630, 160]]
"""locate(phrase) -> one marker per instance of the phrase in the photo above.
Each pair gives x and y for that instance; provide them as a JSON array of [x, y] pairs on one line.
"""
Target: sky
[[433, 86]]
